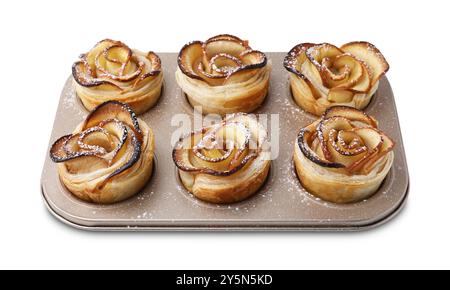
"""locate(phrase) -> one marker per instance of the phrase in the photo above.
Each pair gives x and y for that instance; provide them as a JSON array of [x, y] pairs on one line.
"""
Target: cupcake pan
[[281, 204]]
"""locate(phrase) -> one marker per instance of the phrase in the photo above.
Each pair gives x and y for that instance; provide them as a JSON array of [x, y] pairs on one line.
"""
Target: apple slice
[[224, 44], [252, 61], [83, 77], [113, 110], [351, 114], [368, 53], [199, 152], [188, 58]]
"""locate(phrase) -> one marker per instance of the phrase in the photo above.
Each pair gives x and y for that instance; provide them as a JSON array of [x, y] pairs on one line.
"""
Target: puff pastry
[[323, 75], [108, 157], [343, 157], [113, 71], [223, 75], [226, 162]]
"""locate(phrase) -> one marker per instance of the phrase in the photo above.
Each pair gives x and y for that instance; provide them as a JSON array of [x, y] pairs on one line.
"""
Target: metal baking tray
[[281, 204]]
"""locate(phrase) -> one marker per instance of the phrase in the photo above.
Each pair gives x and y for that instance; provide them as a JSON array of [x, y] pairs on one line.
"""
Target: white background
[[41, 39]]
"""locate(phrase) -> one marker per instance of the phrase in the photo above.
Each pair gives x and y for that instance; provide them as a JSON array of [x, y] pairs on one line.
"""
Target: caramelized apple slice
[[82, 77], [57, 153], [114, 63], [203, 151], [368, 53], [98, 49], [214, 79], [351, 114], [386, 146], [296, 57], [347, 143], [132, 149], [350, 70], [188, 56], [112, 66], [303, 144], [221, 60], [85, 163], [323, 131], [227, 37], [344, 138], [113, 110], [316, 54], [330, 75], [340, 95], [252, 61], [229, 45], [155, 61]]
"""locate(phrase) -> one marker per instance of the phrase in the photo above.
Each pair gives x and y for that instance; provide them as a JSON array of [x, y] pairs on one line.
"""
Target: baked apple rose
[[223, 74], [226, 162], [343, 157], [323, 75], [108, 157], [113, 71]]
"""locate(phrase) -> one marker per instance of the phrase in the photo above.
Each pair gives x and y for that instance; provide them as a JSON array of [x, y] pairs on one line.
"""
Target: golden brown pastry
[[108, 157], [223, 75], [226, 162], [323, 75], [113, 71], [343, 157]]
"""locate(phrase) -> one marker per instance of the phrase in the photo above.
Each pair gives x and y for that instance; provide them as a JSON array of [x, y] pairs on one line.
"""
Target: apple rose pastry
[[113, 71], [226, 162], [223, 75], [109, 156], [343, 157], [322, 75]]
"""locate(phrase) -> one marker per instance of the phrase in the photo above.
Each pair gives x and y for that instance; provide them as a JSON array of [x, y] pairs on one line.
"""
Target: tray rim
[[187, 228], [286, 226]]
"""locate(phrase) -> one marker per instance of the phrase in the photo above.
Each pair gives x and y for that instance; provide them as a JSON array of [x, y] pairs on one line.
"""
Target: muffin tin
[[281, 204]]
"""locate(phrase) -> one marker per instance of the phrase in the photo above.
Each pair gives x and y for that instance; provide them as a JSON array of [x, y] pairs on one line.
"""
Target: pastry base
[[140, 101], [335, 187], [227, 99], [229, 189]]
